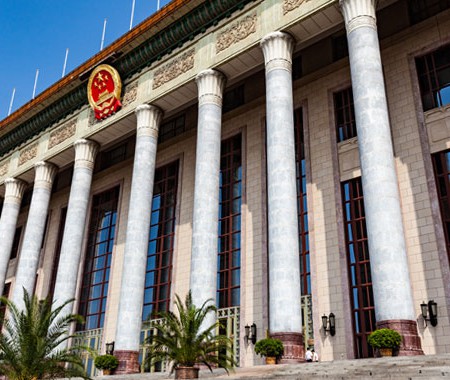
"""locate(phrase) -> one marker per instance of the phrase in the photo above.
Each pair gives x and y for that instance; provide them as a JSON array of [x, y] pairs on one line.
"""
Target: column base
[[411, 344], [128, 362], [294, 350]]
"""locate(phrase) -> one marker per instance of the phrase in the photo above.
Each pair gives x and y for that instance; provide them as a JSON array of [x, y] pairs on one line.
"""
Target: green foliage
[[30, 341], [184, 341], [269, 347], [384, 338], [106, 362]]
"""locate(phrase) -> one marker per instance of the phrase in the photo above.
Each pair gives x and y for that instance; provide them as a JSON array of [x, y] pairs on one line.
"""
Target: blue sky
[[34, 34]]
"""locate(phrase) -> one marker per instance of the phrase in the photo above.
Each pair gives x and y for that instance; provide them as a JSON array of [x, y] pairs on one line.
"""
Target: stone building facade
[[288, 159]]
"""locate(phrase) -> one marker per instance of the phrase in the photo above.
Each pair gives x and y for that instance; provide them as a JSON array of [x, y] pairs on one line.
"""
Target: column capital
[[85, 152], [277, 48], [44, 174], [211, 84], [148, 120], [14, 189], [359, 13]]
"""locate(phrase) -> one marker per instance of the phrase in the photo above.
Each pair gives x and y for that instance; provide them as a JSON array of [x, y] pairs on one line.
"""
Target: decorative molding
[[4, 168], [85, 153], [28, 154], [211, 84], [148, 120], [358, 13], [63, 133], [238, 31], [130, 94], [290, 5], [44, 175], [174, 68], [277, 49], [14, 189]]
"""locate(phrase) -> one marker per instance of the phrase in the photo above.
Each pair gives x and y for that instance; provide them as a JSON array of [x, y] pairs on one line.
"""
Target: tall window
[[97, 264], [62, 223], [230, 198], [344, 112], [16, 243], [358, 260], [441, 163], [433, 71], [422, 9], [302, 204], [160, 247]]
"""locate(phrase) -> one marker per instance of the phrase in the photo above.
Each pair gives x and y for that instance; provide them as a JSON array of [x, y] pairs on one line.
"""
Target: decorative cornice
[[290, 5], [359, 13], [28, 154], [85, 153], [211, 84], [63, 133], [130, 94], [14, 189], [4, 168], [44, 175], [182, 30], [148, 120], [277, 49], [238, 31], [174, 68]]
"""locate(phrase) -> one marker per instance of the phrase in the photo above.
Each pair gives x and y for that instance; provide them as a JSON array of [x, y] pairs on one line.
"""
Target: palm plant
[[184, 340], [30, 339]]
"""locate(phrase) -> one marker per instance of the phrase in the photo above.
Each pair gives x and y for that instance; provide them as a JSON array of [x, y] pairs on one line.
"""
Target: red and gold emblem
[[104, 89]]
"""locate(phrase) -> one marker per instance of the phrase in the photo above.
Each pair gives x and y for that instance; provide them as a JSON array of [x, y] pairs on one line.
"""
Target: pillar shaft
[[137, 238], [77, 208], [206, 193], [34, 231], [14, 189], [390, 275], [284, 267]]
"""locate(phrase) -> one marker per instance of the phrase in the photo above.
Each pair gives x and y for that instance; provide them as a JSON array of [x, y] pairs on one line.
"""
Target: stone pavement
[[430, 367]]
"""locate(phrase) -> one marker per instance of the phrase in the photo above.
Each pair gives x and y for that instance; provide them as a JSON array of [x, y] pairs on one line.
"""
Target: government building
[[288, 159]]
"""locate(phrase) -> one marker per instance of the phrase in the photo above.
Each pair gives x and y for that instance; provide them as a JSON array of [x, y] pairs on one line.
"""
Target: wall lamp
[[329, 323], [110, 348], [430, 308], [250, 333]]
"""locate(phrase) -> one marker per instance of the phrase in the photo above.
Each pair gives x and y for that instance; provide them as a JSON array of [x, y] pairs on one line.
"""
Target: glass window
[[229, 245], [160, 247], [344, 112], [433, 71], [358, 261]]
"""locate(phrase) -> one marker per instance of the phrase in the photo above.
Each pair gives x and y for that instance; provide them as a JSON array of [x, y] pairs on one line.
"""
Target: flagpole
[[158, 5], [35, 82], [12, 101], [103, 34], [132, 14], [65, 63]]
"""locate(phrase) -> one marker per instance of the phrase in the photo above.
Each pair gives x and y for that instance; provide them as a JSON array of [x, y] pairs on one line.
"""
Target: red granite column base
[[411, 344], [128, 362], [294, 350]]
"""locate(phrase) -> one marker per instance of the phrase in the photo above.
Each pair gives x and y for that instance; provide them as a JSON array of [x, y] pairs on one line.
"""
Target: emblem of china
[[104, 89]]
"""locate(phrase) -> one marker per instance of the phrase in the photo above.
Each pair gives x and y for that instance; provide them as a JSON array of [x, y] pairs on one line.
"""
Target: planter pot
[[271, 360], [186, 372], [385, 352], [106, 372]]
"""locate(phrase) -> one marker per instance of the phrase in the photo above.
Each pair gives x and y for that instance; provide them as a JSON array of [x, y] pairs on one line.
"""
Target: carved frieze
[[174, 68], [130, 94], [62, 134], [238, 31], [4, 168], [290, 5], [28, 154]]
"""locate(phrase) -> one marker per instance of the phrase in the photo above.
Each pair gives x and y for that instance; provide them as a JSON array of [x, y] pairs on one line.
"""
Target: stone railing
[[93, 340]]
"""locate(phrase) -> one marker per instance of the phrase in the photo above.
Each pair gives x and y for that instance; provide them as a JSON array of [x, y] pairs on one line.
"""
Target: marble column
[[390, 275], [77, 209], [205, 221], [34, 231], [131, 299], [14, 189], [285, 320]]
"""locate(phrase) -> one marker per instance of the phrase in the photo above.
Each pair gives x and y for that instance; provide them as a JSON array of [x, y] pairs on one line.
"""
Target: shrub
[[384, 338], [269, 347], [106, 362]]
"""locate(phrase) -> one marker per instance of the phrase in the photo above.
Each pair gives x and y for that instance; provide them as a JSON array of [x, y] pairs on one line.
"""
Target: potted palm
[[184, 341], [270, 348], [385, 340], [107, 363]]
